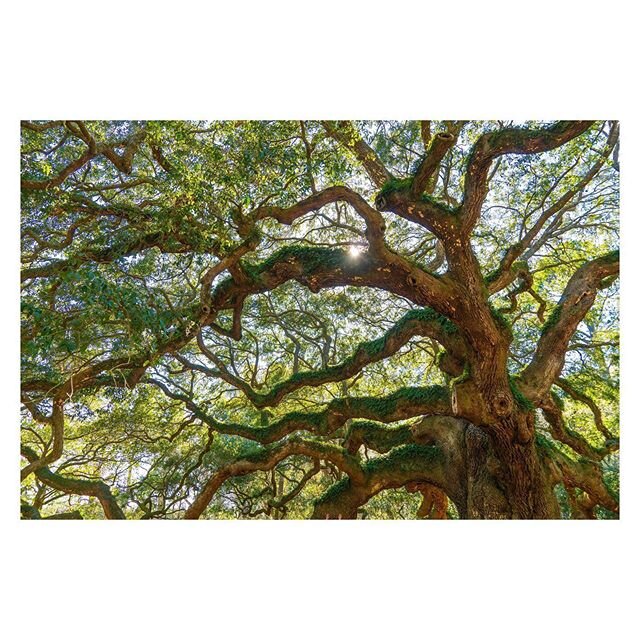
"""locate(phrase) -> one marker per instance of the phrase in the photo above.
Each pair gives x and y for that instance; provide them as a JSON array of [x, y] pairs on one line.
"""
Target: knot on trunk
[[502, 404]]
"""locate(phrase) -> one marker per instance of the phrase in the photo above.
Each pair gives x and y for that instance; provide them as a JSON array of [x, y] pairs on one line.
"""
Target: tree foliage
[[294, 319]]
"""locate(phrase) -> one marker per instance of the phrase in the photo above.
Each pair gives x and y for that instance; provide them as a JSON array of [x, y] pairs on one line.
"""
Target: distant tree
[[319, 319]]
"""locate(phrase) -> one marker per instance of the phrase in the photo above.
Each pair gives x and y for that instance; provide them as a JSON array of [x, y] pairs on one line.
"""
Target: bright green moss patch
[[522, 401], [387, 405], [395, 184], [311, 259], [552, 320], [612, 256], [334, 491], [503, 324], [406, 457]]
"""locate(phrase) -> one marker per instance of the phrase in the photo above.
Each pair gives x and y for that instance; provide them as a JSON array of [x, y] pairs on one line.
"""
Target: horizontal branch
[[319, 268], [407, 402], [418, 322]]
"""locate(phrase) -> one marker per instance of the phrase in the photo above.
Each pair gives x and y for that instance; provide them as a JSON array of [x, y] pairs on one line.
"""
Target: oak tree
[[308, 319]]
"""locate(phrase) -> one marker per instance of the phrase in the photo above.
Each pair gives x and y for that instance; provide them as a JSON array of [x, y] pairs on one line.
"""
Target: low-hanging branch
[[407, 402], [418, 322]]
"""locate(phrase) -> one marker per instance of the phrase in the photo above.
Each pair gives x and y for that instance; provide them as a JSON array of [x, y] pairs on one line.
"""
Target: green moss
[[612, 256], [395, 184], [334, 491], [377, 436], [545, 445], [258, 455], [552, 320], [523, 402], [519, 265], [558, 400], [503, 324], [442, 206], [465, 375], [311, 259], [374, 347], [407, 395], [406, 456]]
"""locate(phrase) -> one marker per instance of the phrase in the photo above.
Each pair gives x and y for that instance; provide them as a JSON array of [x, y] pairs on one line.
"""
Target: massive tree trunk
[[476, 479]]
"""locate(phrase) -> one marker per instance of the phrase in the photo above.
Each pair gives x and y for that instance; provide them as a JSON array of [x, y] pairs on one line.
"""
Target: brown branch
[[577, 395], [438, 147], [423, 322], [508, 141], [505, 275], [403, 404], [95, 488], [268, 459], [576, 300]]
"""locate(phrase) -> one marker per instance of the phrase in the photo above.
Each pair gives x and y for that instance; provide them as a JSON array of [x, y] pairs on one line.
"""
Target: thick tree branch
[[319, 268], [576, 300], [507, 141], [407, 402], [73, 486], [267, 459], [437, 149], [506, 274], [419, 322], [403, 465]]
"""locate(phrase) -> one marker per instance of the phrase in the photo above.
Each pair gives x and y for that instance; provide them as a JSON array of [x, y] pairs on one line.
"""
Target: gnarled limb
[[319, 268], [267, 459], [576, 300], [505, 274], [581, 474], [94, 488], [418, 322], [554, 417], [405, 403], [512, 140], [401, 466], [577, 395]]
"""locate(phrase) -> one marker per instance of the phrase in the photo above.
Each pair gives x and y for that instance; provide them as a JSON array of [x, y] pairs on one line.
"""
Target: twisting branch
[[574, 393], [123, 162], [504, 275], [73, 486], [408, 402], [419, 322], [267, 459], [374, 221], [555, 418], [318, 268], [584, 474], [512, 140], [403, 465]]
